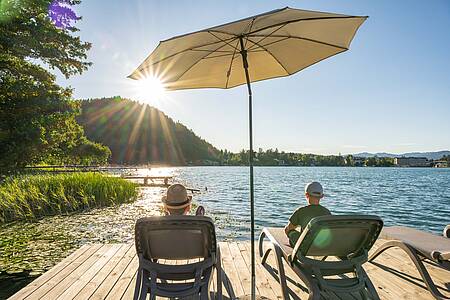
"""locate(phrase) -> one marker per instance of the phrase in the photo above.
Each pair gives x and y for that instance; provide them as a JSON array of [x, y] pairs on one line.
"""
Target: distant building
[[440, 164], [280, 162], [359, 161], [411, 162]]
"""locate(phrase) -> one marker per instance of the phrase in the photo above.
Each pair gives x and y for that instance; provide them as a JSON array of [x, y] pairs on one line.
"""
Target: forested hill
[[140, 134]]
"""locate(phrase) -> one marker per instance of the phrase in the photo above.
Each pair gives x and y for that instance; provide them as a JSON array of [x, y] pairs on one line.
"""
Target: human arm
[[289, 227]]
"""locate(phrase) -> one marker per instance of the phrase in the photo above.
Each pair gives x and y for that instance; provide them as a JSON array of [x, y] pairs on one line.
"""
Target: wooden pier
[[158, 181], [108, 271]]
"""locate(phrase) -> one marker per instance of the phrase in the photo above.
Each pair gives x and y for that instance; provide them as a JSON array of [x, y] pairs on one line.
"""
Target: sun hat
[[176, 197], [314, 189]]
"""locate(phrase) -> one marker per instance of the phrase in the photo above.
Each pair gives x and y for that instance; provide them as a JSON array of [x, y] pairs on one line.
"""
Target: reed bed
[[29, 197]]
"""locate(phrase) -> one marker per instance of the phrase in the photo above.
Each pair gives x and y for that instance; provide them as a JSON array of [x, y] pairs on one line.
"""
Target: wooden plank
[[121, 285], [243, 271], [47, 286], [97, 280], [393, 282], [230, 271], [262, 283], [79, 283], [386, 289], [439, 275], [50, 273], [293, 282], [64, 284], [129, 292], [103, 290]]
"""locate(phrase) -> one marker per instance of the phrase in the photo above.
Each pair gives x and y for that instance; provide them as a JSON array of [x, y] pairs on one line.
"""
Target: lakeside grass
[[28, 197]]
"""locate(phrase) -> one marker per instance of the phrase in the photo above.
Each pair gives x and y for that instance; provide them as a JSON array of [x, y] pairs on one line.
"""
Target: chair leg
[[261, 248], [311, 285], [370, 287], [145, 287], [138, 287], [219, 275], [417, 262], [279, 260], [260, 242], [281, 273]]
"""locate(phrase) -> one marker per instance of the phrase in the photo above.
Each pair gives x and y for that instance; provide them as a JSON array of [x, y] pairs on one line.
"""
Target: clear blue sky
[[390, 92]]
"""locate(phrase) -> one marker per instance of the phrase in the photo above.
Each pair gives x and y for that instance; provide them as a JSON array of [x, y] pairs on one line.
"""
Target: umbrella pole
[[250, 162]]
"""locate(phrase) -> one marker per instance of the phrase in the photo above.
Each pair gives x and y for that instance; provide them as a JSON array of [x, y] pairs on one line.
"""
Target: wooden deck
[[108, 272]]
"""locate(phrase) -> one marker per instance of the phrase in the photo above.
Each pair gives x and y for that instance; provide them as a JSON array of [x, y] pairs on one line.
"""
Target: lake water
[[416, 197]]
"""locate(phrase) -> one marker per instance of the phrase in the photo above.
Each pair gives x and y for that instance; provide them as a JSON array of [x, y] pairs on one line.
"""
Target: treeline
[[272, 157], [37, 116], [137, 134]]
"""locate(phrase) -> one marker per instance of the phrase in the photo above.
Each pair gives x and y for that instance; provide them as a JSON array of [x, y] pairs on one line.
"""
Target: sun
[[150, 89]]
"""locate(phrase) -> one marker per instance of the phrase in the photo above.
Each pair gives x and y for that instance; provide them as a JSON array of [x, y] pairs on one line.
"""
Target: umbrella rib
[[229, 68], [188, 69], [224, 40], [221, 55], [273, 56], [299, 20], [270, 34], [141, 68], [273, 42], [250, 29], [302, 38], [211, 51]]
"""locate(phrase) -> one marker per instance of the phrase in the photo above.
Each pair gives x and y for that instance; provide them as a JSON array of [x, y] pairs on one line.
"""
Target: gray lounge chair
[[348, 238], [419, 245], [176, 238]]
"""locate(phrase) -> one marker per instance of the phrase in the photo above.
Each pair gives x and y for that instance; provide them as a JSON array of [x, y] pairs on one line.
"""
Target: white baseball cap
[[314, 189]]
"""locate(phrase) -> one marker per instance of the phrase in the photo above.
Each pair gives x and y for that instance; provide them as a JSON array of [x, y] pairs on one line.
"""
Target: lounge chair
[[419, 245], [348, 238], [176, 238]]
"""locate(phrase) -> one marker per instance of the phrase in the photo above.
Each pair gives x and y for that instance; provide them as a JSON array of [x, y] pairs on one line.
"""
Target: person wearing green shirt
[[301, 217]]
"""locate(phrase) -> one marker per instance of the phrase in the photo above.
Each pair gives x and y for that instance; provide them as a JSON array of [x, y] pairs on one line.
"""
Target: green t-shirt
[[301, 218]]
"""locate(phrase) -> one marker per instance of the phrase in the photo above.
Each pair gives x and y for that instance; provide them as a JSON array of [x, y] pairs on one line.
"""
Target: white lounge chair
[[419, 245]]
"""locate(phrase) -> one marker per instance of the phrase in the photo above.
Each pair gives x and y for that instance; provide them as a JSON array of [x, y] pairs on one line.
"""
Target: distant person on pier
[[301, 217], [177, 202]]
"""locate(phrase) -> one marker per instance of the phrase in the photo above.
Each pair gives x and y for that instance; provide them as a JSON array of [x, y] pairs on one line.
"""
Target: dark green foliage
[[37, 117], [28, 32], [272, 157], [376, 161], [89, 153], [33, 196], [140, 134]]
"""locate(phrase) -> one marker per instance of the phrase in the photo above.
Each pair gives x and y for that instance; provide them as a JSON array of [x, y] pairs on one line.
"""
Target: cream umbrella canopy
[[273, 44]]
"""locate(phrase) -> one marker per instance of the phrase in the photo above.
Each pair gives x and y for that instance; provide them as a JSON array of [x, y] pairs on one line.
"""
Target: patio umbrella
[[273, 44]]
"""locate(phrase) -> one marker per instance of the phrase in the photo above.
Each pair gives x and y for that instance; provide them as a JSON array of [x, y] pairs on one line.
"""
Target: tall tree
[[37, 117]]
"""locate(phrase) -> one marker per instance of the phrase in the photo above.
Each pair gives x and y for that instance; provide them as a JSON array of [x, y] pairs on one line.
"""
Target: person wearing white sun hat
[[177, 202]]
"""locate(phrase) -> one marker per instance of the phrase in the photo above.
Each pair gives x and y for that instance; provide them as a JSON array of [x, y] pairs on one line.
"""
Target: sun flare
[[150, 89]]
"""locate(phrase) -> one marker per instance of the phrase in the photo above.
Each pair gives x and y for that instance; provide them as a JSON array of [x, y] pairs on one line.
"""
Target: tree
[[37, 117], [349, 161], [371, 161], [89, 153]]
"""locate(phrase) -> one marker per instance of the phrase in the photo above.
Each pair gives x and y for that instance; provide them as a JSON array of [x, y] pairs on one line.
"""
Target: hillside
[[140, 134]]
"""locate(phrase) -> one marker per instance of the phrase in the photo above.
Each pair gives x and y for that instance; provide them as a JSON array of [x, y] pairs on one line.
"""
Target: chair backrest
[[343, 236], [175, 237]]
